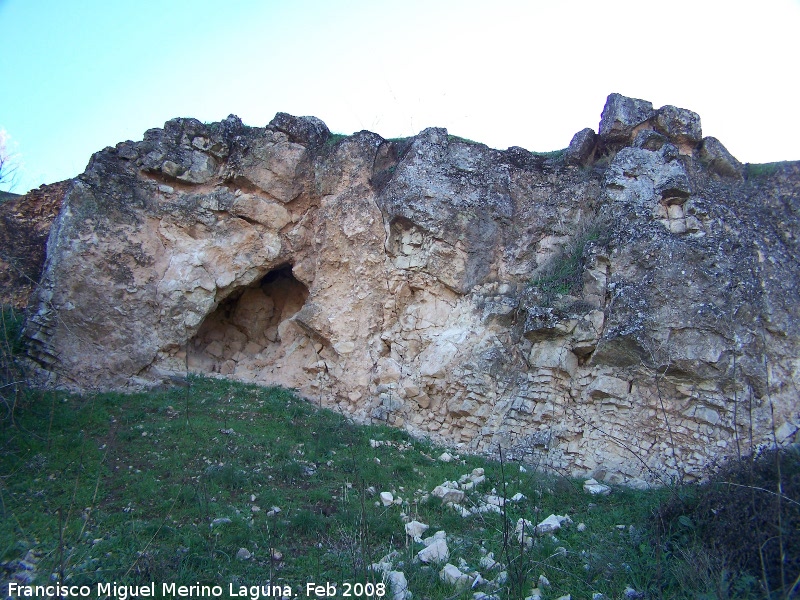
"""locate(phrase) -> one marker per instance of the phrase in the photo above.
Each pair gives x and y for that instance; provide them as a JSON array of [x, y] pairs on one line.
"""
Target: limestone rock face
[[24, 226], [627, 311]]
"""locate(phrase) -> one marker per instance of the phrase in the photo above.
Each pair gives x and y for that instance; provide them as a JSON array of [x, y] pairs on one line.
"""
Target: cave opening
[[246, 337]]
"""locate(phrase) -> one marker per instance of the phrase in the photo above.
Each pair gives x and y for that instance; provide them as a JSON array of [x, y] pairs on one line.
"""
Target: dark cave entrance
[[247, 333]]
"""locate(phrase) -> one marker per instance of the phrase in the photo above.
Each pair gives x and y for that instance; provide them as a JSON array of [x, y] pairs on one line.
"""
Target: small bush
[[747, 516], [762, 170], [227, 477]]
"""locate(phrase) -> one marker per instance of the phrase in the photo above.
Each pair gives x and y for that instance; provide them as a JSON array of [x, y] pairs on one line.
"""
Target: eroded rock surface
[[24, 226], [626, 311]]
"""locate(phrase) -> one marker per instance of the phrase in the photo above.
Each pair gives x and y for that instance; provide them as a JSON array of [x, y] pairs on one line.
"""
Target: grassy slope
[[132, 484]]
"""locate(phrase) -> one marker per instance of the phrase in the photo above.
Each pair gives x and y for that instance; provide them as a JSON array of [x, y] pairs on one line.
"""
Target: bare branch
[[9, 162]]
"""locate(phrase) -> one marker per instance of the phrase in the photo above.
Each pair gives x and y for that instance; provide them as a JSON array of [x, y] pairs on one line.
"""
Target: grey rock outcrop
[[627, 311], [678, 124], [581, 149], [718, 160]]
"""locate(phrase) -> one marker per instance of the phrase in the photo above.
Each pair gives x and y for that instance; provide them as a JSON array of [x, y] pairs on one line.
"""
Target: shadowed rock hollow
[[625, 309]]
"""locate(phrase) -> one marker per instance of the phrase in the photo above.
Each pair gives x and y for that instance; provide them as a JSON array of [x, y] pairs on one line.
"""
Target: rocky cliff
[[24, 226], [625, 309]]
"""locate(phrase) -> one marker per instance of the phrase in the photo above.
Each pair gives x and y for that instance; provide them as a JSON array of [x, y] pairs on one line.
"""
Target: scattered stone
[[275, 555], [452, 575], [398, 584], [436, 550], [488, 562], [220, 521], [415, 529], [591, 486], [485, 508], [581, 527], [273, 511], [544, 581], [521, 532], [439, 535], [470, 480], [243, 554], [28, 563], [24, 577], [384, 565], [536, 594], [387, 498], [552, 524], [632, 594], [448, 494], [445, 457]]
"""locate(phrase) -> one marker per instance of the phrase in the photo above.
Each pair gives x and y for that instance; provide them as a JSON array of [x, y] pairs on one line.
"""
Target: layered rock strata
[[625, 309]]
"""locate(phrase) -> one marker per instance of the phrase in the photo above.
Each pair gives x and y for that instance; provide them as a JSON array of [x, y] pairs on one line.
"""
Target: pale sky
[[81, 75]]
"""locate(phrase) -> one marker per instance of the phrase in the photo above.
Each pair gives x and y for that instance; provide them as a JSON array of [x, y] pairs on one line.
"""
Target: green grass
[[762, 170], [335, 138], [456, 138], [563, 273], [127, 488], [552, 154]]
